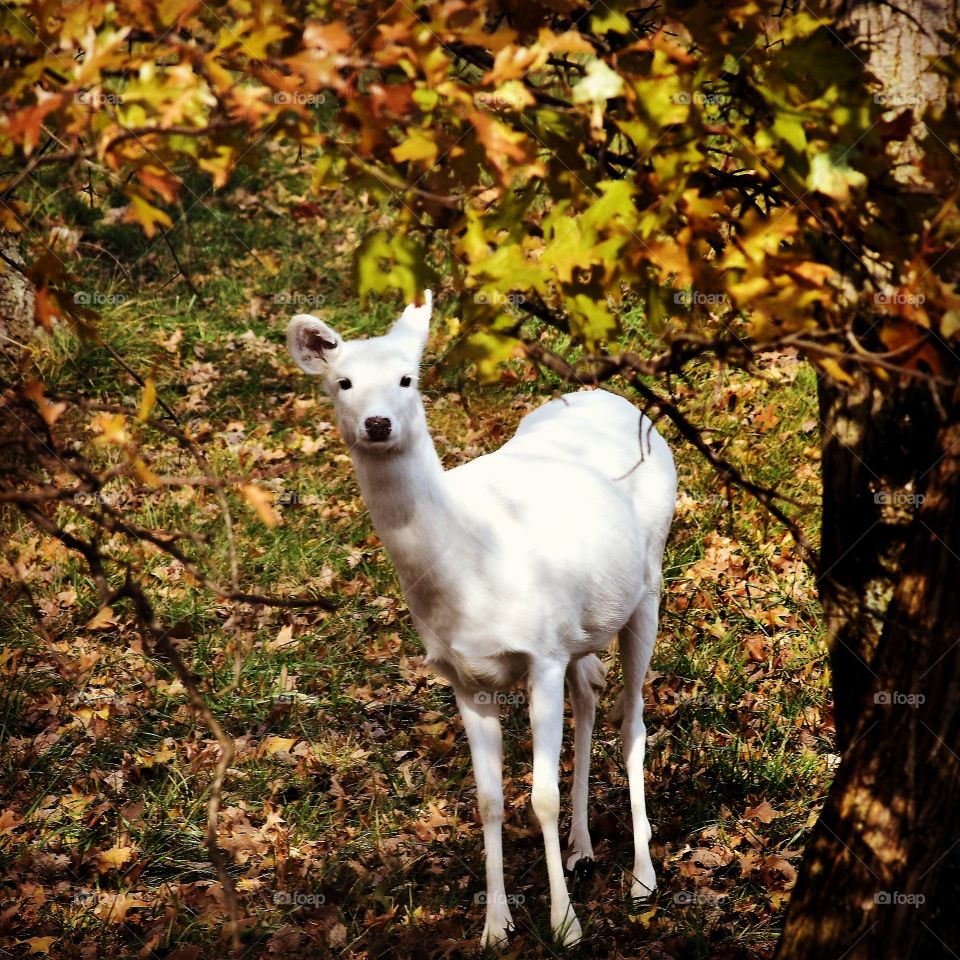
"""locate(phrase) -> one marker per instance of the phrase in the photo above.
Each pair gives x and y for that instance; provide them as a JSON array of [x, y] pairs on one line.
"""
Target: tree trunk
[[878, 877], [868, 883], [877, 443], [17, 298]]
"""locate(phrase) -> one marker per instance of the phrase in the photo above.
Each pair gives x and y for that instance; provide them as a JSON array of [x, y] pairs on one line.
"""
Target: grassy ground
[[350, 814]]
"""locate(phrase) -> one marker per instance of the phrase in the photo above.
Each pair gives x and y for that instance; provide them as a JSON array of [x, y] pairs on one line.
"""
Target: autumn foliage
[[704, 156]]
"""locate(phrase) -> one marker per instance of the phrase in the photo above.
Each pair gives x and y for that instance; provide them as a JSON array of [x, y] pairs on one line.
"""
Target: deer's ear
[[312, 343], [414, 322]]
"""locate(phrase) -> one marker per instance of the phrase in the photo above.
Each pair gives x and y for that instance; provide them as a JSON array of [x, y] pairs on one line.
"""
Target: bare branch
[[150, 628], [610, 366]]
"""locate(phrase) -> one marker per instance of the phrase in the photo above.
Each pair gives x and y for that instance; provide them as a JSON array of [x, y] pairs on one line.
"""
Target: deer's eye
[[345, 383], [405, 381]]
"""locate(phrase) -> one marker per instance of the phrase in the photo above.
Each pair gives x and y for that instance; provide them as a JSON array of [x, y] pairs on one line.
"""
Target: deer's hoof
[[568, 931], [643, 891], [495, 933], [580, 852]]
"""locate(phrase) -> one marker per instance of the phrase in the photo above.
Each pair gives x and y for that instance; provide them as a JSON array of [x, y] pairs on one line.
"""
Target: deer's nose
[[378, 428]]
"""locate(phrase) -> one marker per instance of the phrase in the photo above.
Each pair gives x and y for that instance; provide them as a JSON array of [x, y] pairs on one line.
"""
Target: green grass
[[372, 807]]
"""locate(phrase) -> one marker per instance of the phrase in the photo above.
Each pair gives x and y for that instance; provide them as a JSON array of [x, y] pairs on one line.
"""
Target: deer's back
[[573, 521], [602, 433]]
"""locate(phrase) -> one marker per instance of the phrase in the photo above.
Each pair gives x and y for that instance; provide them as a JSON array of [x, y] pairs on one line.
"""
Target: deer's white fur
[[522, 563]]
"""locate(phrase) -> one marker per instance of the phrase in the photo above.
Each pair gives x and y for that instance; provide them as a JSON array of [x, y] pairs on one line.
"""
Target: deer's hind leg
[[585, 680], [636, 647], [545, 686]]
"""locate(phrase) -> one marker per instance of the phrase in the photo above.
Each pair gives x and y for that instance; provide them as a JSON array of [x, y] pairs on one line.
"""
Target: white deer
[[520, 564]]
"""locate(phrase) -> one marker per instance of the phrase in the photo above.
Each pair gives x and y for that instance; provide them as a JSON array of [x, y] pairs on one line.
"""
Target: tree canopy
[[735, 165]]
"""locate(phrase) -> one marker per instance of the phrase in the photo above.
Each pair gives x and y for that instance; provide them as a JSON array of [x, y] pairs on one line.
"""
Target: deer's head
[[373, 382]]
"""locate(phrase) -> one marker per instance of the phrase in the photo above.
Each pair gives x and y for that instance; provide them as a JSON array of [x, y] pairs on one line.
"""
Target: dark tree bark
[[869, 882], [878, 878], [877, 443]]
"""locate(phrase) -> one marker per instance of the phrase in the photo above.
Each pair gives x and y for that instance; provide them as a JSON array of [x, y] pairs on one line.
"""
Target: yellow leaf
[[115, 857], [102, 619], [112, 428], [261, 501], [147, 215], [164, 755], [833, 177], [762, 238], [86, 714], [219, 165], [170, 11], [278, 744], [114, 909], [432, 729], [647, 917], [147, 401], [145, 473], [418, 146], [815, 273], [77, 803], [834, 369], [600, 84], [512, 95], [950, 324], [171, 689]]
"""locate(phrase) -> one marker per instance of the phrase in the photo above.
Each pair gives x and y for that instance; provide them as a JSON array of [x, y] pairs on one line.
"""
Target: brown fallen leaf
[[749, 861], [9, 821], [103, 619], [170, 344], [39, 944], [115, 908], [766, 418], [115, 857], [762, 812], [754, 647], [778, 872], [284, 639]]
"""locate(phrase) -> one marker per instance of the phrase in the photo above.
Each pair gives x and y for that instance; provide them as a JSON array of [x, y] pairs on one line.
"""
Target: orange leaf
[[51, 412], [261, 501]]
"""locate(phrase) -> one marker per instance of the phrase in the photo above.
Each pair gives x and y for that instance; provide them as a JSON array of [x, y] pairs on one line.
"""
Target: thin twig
[[766, 496], [183, 271], [151, 628]]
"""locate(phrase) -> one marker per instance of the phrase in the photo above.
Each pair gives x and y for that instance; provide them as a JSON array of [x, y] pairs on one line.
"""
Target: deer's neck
[[412, 509]]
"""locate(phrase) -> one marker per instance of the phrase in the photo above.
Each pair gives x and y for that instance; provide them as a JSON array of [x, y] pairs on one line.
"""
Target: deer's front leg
[[481, 720], [545, 683]]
